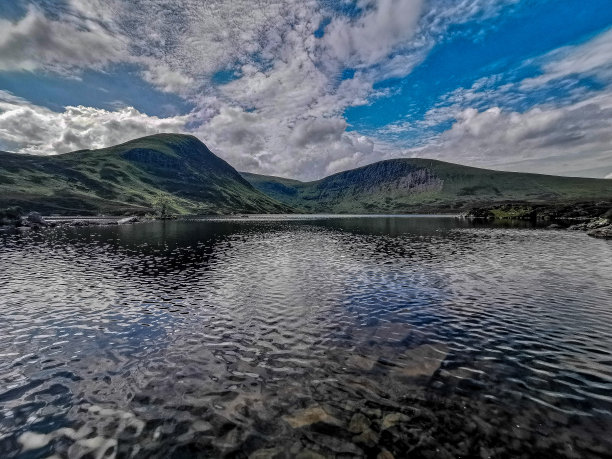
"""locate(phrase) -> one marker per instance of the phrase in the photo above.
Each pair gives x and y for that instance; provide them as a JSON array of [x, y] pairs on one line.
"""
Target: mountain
[[425, 185], [129, 178], [181, 170]]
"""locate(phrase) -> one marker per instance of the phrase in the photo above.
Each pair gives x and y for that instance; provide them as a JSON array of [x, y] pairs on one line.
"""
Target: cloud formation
[[576, 138], [37, 42], [593, 58], [384, 26], [267, 83], [38, 130]]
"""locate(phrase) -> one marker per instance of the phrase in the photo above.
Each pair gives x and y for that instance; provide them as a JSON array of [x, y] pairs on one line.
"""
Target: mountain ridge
[[129, 177], [421, 184]]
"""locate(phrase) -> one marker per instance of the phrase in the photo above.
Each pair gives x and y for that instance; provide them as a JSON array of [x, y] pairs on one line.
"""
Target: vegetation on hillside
[[130, 179], [424, 185], [172, 174]]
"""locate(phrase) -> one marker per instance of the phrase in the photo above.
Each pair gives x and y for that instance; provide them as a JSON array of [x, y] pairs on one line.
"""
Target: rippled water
[[305, 337]]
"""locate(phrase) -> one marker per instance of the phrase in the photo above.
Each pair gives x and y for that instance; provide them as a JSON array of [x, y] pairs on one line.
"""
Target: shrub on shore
[[11, 216]]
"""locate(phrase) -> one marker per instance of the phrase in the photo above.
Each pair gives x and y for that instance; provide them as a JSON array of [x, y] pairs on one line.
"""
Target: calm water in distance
[[306, 337]]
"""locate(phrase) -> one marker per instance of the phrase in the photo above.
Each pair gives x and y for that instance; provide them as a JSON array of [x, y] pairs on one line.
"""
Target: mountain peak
[[129, 177]]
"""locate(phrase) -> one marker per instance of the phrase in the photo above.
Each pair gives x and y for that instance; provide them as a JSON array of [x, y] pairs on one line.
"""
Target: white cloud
[[306, 148], [370, 38], [570, 140], [38, 130], [593, 58], [283, 112], [36, 42], [166, 79], [569, 135]]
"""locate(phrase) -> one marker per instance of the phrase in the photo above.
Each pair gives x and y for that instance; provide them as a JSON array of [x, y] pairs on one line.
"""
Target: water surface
[[305, 337]]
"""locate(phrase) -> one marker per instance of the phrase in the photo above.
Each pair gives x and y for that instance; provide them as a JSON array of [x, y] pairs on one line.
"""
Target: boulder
[[597, 223], [604, 232], [36, 218], [132, 219], [10, 216]]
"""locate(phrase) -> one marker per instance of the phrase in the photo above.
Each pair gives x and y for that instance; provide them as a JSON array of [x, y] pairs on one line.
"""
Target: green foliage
[[424, 185], [513, 212], [129, 178], [10, 216], [11, 213], [163, 206]]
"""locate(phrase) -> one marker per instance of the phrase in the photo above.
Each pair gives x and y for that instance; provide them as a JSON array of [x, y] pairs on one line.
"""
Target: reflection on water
[[305, 337]]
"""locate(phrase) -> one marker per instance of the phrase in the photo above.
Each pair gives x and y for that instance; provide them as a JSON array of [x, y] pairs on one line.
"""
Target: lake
[[306, 336]]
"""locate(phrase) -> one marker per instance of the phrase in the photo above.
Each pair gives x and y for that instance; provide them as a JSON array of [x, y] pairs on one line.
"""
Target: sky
[[307, 88]]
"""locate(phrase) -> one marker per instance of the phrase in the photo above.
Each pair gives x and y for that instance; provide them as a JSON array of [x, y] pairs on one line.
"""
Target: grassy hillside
[[129, 178], [425, 185]]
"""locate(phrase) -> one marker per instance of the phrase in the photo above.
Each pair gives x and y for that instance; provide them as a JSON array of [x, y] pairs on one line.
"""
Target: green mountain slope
[[425, 185], [128, 178]]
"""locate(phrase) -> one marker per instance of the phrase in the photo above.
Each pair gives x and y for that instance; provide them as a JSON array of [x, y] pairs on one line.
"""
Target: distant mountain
[[425, 185], [129, 178]]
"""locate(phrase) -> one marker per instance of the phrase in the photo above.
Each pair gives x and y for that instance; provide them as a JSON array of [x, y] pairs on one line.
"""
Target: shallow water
[[345, 337]]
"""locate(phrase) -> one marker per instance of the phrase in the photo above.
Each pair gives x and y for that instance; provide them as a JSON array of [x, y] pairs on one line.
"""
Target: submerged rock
[[361, 362], [420, 362], [393, 419], [337, 445], [311, 415], [359, 423], [266, 453], [368, 438], [384, 454], [309, 454]]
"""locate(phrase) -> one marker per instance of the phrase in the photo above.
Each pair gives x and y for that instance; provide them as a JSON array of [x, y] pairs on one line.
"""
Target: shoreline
[[593, 218]]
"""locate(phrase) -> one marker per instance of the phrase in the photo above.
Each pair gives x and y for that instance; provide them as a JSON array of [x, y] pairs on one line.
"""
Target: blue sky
[[305, 89]]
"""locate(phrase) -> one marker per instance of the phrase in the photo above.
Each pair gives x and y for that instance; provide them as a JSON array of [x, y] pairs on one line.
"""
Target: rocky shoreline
[[13, 220], [594, 218]]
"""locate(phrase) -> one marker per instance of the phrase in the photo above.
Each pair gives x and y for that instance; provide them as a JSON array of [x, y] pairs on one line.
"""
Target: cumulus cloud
[[38, 130], [166, 79], [566, 135], [365, 41], [282, 113], [569, 140], [306, 148]]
